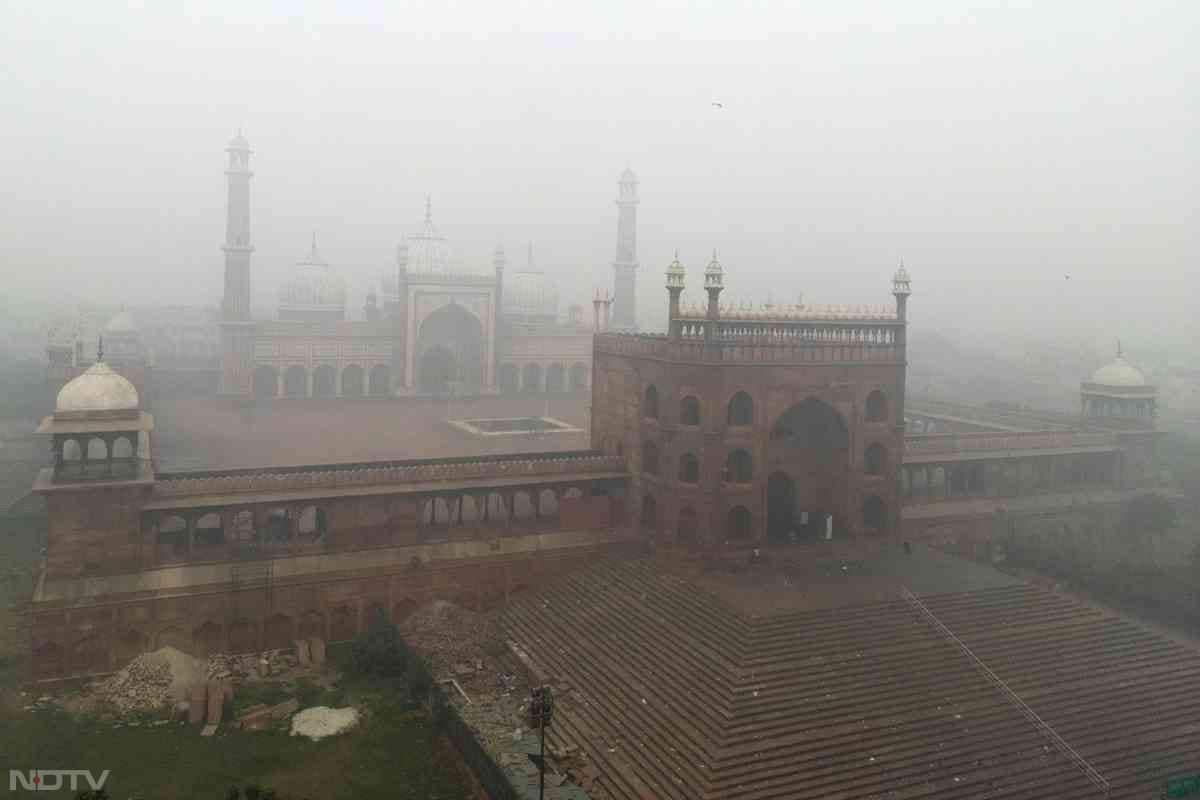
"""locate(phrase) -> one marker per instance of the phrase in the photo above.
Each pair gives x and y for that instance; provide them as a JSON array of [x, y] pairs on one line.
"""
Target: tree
[[1149, 513], [378, 650]]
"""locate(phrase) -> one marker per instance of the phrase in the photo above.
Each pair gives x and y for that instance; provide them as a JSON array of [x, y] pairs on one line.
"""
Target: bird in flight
[[718, 105], [1068, 277]]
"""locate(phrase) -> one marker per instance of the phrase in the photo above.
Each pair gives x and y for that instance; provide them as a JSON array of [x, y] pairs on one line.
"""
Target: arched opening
[[266, 382], [874, 515], [278, 529], [876, 406], [556, 378], [739, 467], [208, 639], [689, 468], [48, 660], [402, 609], [324, 381], [450, 347], [71, 450], [242, 638], [173, 535], [129, 645], [311, 524], [380, 381], [875, 459], [295, 382], [88, 655], [509, 379], [579, 377], [97, 450], [649, 514], [810, 443], [531, 378], [209, 532], [342, 625], [352, 381], [437, 370], [649, 457], [122, 448], [311, 625], [650, 403], [689, 411], [738, 523], [781, 508], [741, 410], [277, 632], [686, 530]]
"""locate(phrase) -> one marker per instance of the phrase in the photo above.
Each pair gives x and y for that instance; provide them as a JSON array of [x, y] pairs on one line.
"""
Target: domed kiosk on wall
[[98, 429]]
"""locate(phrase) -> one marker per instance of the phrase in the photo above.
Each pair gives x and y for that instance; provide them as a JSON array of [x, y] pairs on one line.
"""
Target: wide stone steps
[[674, 695]]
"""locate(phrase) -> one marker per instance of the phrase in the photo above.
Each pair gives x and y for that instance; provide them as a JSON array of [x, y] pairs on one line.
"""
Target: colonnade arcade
[[335, 524], [536, 377], [1029, 474], [324, 380]]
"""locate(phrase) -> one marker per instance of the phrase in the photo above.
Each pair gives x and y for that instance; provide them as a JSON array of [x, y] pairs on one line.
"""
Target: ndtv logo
[[51, 780]]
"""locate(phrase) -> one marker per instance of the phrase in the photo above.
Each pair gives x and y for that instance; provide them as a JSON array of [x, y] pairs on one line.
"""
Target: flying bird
[[1068, 277], [718, 105]]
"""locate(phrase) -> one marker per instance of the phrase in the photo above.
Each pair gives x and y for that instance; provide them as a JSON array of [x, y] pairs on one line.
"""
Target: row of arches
[[739, 464], [533, 378], [739, 522], [739, 411], [323, 381]]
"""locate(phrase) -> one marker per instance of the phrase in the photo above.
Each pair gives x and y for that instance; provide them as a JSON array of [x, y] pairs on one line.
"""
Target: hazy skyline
[[996, 151]]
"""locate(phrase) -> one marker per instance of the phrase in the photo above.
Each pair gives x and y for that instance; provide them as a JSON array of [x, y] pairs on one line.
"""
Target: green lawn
[[391, 755]]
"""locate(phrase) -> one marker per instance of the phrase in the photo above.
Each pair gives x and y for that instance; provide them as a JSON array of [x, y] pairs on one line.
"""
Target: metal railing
[[1043, 727]]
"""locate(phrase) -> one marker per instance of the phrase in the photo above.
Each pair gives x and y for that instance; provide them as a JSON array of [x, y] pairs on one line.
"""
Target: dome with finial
[[98, 389], [1119, 372], [901, 283], [238, 142], [312, 286], [426, 252], [529, 292], [713, 273], [675, 273]]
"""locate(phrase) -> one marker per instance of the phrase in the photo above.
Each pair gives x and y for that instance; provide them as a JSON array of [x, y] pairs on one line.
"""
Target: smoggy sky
[[995, 150]]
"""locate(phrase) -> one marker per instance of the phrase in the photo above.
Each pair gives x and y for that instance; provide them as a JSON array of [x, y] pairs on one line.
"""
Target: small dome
[[628, 176], [313, 285], [97, 389], [121, 323], [1119, 373], [238, 142]]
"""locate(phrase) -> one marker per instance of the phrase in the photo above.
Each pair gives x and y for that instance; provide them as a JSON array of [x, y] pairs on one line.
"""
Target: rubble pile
[[150, 682], [454, 641], [249, 665]]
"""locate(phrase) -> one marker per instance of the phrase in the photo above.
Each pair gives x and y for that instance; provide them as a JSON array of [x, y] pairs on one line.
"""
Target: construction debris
[[151, 682]]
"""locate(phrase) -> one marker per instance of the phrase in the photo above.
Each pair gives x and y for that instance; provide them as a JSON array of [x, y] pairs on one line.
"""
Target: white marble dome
[[530, 294], [313, 285], [97, 389], [1119, 373]]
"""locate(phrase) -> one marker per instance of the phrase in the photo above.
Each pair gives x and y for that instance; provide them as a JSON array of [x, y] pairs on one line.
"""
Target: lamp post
[[541, 712]]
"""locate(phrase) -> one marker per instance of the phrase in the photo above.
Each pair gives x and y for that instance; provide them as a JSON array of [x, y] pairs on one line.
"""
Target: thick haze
[[996, 151]]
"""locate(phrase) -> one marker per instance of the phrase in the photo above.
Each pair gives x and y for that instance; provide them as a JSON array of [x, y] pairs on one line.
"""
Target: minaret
[[713, 284], [625, 266], [235, 306], [675, 285]]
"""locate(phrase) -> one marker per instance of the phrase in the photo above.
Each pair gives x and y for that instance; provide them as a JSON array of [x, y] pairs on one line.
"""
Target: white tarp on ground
[[320, 721]]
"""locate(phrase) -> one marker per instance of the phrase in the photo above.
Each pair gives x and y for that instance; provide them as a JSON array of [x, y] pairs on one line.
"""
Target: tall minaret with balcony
[[236, 325], [625, 266]]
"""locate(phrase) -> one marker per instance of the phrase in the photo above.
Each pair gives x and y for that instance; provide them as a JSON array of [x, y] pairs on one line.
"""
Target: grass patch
[[392, 754]]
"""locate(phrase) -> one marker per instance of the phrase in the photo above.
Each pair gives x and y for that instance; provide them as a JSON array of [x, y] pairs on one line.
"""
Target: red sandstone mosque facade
[[736, 428]]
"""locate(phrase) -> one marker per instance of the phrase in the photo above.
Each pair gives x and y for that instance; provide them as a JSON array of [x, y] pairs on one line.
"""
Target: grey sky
[[995, 150]]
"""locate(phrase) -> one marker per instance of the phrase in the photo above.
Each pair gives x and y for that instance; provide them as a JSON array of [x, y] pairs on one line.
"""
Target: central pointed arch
[[450, 351]]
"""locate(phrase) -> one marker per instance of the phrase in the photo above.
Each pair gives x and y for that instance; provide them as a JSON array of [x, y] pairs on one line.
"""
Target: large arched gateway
[[809, 457], [450, 349]]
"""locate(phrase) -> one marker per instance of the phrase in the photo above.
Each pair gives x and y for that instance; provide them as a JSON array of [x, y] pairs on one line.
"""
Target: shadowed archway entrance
[[450, 349], [809, 453]]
